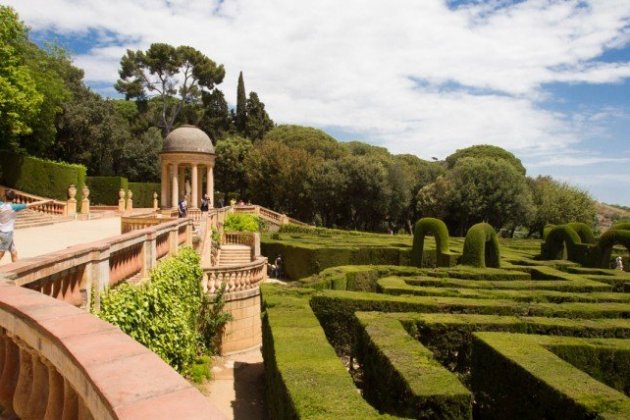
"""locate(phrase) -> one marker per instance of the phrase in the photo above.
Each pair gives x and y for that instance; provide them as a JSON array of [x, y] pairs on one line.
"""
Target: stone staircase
[[31, 218], [234, 255]]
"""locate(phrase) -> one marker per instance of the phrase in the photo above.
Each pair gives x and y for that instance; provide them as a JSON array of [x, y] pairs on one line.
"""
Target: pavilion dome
[[187, 139]]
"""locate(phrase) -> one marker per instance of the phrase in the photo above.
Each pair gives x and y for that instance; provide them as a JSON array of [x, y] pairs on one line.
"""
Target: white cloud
[[415, 76]]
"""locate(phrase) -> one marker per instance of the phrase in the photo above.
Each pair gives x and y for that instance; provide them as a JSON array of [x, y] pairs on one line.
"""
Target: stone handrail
[[238, 238], [236, 279], [270, 216], [56, 207], [57, 361], [71, 274]]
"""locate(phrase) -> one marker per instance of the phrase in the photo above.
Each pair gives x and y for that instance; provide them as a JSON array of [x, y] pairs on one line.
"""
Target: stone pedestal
[[129, 200], [121, 200]]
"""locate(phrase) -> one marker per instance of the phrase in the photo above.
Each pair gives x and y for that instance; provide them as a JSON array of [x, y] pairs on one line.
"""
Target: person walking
[[8, 213]]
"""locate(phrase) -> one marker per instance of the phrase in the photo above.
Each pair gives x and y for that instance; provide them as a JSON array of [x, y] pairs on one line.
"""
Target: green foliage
[[104, 189], [41, 177], [242, 222], [607, 241], [143, 193], [485, 151], [428, 226], [168, 313], [313, 140], [230, 168], [212, 319], [200, 370], [476, 190], [558, 203], [258, 122], [240, 120], [216, 119], [481, 247], [584, 231], [154, 71], [557, 239]]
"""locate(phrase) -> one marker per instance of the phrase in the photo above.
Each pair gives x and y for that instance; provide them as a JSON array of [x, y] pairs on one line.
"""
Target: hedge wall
[[401, 376], [143, 193], [41, 177], [429, 226], [481, 247], [104, 189], [515, 376]]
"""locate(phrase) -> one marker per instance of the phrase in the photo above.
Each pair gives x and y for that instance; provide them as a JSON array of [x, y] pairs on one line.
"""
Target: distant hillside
[[608, 214]]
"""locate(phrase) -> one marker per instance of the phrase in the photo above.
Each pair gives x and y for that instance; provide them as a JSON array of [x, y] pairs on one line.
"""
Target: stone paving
[[39, 240]]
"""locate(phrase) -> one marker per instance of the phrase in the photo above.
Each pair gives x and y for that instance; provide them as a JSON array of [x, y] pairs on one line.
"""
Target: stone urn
[[72, 192], [121, 194], [129, 194], [85, 191], [155, 196]]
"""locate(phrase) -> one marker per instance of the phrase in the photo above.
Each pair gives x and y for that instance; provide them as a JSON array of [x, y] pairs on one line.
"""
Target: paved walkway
[[39, 240]]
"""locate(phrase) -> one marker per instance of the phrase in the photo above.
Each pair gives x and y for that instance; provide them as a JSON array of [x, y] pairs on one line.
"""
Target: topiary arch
[[481, 247], [606, 242], [584, 232], [558, 237], [437, 229]]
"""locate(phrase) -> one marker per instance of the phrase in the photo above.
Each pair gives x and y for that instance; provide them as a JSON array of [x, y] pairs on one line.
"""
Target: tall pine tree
[[241, 106]]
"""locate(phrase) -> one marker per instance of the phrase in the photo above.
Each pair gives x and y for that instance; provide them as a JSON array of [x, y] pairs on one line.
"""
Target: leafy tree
[[478, 190], [313, 140], [139, 158], [485, 151], [20, 100], [230, 169], [156, 71], [216, 118], [240, 119], [558, 203], [258, 122], [329, 186]]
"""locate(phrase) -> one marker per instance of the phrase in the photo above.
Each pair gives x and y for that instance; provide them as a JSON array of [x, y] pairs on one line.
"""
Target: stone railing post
[[155, 201], [71, 207], [285, 219], [121, 200], [149, 253], [85, 203], [129, 200], [173, 240], [100, 275], [189, 234]]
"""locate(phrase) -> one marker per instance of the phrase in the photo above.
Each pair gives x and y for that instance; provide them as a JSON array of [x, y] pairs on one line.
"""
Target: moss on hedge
[[515, 376], [481, 247]]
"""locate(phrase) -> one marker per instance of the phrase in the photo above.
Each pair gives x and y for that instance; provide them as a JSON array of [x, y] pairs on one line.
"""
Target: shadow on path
[[249, 380]]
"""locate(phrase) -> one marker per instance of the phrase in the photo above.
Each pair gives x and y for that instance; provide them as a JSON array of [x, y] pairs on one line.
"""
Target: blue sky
[[548, 80]]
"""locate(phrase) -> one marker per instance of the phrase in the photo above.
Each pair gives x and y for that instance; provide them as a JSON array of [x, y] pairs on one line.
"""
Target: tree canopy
[[168, 72]]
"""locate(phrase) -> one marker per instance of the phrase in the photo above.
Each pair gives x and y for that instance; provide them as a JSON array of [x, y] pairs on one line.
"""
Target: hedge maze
[[532, 339]]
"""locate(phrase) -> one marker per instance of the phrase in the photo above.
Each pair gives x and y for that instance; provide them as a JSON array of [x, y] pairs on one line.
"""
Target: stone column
[[181, 177], [174, 187], [195, 186], [210, 185], [164, 181]]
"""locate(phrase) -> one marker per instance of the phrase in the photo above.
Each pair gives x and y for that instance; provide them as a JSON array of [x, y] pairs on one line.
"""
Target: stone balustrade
[[236, 279], [71, 274], [59, 362], [270, 216], [55, 208]]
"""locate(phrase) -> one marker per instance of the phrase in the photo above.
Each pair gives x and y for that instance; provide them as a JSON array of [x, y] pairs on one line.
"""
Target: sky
[[547, 80]]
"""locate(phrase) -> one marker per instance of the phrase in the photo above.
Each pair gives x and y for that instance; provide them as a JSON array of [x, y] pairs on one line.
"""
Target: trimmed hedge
[[41, 177], [606, 242], [584, 231], [104, 189], [303, 376], [481, 247], [143, 193], [401, 376], [515, 376], [429, 226]]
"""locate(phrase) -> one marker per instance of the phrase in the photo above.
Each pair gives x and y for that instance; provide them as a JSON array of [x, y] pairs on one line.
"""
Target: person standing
[[8, 213], [204, 203]]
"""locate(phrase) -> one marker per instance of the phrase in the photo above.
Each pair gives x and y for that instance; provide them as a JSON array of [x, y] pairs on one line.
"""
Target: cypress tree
[[241, 106]]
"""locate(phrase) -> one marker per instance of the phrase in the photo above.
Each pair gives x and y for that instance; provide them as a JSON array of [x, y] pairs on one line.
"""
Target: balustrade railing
[[71, 274], [270, 216], [55, 208], [59, 362], [236, 279]]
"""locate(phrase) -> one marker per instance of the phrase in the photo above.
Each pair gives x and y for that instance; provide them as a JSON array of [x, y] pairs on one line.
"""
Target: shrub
[[436, 228], [164, 313], [143, 193], [104, 189], [481, 247], [41, 177], [584, 232], [606, 243], [242, 222]]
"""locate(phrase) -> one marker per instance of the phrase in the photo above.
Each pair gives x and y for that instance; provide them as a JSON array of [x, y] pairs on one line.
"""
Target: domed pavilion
[[187, 156]]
